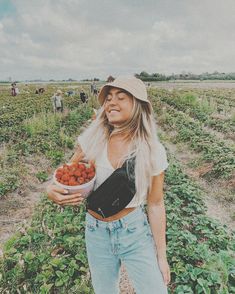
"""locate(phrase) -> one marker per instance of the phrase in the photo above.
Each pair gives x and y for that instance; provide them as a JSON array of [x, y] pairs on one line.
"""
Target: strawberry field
[[47, 254]]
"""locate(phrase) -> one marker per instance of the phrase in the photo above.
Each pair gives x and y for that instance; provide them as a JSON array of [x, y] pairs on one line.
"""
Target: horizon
[[97, 79]]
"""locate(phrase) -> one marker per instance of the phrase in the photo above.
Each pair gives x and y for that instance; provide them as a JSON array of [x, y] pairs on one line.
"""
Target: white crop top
[[104, 169]]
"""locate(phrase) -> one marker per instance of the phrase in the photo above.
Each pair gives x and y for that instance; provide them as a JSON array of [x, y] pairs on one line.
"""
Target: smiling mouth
[[112, 111]]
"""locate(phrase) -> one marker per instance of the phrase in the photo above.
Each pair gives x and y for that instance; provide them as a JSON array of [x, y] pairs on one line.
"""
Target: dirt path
[[218, 195], [17, 210]]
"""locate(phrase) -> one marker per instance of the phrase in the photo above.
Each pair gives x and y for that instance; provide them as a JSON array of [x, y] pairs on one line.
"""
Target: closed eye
[[108, 98]]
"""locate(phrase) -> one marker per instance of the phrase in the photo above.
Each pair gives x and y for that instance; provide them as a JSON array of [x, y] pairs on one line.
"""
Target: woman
[[57, 101], [124, 128]]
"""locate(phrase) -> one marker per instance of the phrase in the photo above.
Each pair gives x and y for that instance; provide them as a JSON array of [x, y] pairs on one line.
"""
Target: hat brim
[[124, 86]]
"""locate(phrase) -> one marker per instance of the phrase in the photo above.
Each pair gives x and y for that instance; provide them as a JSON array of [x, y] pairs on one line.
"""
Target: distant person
[[83, 96], [92, 88], [13, 92], [95, 92], [70, 93], [57, 101], [41, 90]]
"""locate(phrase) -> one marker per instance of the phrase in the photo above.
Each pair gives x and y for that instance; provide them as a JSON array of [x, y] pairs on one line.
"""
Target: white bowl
[[85, 189]]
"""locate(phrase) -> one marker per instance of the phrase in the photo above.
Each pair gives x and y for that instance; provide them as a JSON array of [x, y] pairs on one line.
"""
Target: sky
[[61, 39]]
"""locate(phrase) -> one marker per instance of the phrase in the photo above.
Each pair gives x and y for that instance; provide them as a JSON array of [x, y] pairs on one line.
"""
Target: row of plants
[[47, 135], [10, 104], [49, 255], [13, 114], [190, 131], [200, 110], [223, 97], [200, 250]]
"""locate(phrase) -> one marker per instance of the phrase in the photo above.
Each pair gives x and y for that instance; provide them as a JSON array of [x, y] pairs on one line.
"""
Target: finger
[[167, 277], [72, 204], [70, 196], [59, 198], [164, 276], [80, 156], [72, 200], [166, 281], [78, 202], [60, 190], [91, 162], [77, 157]]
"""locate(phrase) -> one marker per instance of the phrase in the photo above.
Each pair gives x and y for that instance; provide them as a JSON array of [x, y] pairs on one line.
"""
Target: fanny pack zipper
[[101, 212]]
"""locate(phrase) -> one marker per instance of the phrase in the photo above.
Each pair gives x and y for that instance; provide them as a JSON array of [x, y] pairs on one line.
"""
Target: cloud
[[79, 39]]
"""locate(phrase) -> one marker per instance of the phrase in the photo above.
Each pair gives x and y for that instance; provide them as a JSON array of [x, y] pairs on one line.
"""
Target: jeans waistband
[[135, 215]]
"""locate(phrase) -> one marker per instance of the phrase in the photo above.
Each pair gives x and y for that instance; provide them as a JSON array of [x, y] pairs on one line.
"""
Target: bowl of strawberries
[[76, 177]]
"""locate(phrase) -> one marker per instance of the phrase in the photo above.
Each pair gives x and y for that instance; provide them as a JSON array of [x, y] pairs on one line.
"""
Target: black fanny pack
[[114, 193]]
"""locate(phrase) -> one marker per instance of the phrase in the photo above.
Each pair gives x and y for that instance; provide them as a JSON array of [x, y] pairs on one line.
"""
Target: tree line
[[147, 77]]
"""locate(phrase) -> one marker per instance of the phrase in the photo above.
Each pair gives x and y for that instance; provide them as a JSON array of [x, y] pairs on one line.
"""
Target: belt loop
[[120, 222], [109, 226], [123, 223], [144, 214]]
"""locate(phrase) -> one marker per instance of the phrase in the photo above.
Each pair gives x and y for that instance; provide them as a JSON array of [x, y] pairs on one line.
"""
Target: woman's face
[[118, 106]]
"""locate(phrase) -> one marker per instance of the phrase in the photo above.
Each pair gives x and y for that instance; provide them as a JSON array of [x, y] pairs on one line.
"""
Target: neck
[[120, 137]]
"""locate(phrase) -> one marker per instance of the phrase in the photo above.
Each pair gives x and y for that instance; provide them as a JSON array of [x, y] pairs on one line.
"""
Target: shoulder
[[159, 159]]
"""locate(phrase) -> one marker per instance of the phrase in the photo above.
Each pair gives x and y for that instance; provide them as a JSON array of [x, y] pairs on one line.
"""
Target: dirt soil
[[16, 210], [218, 195]]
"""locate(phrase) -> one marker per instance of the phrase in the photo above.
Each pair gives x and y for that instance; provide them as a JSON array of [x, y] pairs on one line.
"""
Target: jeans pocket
[[131, 228]]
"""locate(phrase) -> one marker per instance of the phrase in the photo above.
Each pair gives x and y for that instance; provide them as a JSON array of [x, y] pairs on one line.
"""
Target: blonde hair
[[140, 130]]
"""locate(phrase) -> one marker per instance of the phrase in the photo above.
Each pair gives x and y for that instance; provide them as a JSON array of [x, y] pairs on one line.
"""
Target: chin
[[113, 122]]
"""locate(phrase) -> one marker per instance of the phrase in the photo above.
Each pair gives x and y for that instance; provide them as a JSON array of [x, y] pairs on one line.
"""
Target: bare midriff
[[114, 217]]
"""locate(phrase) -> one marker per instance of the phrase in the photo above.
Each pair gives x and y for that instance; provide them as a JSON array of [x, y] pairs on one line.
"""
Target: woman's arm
[[157, 220], [156, 214]]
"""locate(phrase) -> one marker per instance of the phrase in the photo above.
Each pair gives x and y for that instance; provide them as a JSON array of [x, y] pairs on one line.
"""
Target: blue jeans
[[129, 241]]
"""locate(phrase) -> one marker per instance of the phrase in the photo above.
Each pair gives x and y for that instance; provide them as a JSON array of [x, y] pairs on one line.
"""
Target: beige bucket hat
[[58, 92], [131, 84]]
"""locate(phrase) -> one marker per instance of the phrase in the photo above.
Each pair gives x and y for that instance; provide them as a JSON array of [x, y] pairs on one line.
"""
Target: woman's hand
[[165, 269], [60, 196]]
